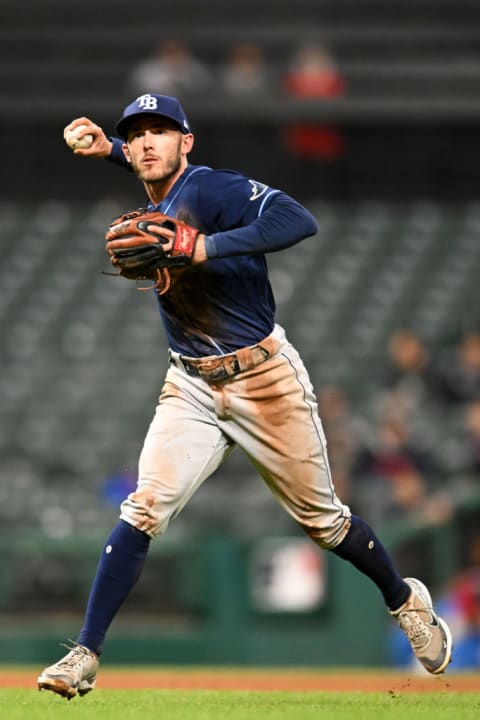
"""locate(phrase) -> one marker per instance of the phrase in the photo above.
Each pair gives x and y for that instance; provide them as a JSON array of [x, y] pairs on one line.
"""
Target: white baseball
[[75, 142]]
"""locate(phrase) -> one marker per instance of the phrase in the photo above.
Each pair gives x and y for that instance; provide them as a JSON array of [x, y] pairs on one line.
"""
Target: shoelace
[[417, 631], [76, 656]]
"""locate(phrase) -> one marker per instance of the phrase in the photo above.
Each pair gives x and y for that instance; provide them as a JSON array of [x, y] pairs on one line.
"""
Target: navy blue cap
[[152, 104]]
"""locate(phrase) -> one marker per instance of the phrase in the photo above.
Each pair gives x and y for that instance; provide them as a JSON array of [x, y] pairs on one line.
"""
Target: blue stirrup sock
[[365, 551], [119, 568], [126, 549]]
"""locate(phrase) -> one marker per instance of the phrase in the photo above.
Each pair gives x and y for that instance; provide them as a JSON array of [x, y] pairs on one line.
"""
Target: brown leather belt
[[215, 368]]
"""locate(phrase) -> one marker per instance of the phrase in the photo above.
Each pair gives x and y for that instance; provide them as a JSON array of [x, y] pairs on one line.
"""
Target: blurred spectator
[[407, 363], [391, 452], [313, 73], [245, 76], [405, 389], [339, 427], [171, 70], [245, 72], [459, 370], [394, 478], [472, 426], [465, 448]]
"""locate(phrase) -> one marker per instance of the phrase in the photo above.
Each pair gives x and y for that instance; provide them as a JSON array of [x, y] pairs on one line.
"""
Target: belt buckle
[[219, 369], [215, 375]]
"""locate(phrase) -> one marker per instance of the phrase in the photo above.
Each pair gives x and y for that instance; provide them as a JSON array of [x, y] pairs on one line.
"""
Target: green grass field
[[233, 705]]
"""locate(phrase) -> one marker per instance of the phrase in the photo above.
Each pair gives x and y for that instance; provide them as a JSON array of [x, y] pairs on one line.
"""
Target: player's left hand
[[147, 245]]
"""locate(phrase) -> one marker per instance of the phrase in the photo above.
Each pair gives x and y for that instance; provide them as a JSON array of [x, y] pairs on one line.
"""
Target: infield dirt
[[141, 678]]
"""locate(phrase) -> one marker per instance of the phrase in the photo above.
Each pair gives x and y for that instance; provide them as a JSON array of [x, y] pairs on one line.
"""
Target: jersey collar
[[168, 201]]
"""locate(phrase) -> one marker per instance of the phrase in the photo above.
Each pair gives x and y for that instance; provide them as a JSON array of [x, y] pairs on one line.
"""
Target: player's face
[[157, 149]]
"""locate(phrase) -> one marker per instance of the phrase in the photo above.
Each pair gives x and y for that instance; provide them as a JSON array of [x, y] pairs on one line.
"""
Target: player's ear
[[126, 152], [187, 143]]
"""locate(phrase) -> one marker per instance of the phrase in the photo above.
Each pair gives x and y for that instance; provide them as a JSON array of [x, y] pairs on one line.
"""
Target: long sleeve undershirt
[[284, 223]]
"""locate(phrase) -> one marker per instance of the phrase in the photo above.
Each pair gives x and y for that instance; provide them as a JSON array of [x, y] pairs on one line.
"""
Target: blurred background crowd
[[246, 72], [368, 112]]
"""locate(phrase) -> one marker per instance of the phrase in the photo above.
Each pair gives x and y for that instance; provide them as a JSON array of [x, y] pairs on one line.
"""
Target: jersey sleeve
[[233, 200]]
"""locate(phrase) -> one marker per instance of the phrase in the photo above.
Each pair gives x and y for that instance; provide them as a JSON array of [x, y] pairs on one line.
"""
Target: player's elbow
[[303, 221], [305, 224], [311, 225], [292, 216]]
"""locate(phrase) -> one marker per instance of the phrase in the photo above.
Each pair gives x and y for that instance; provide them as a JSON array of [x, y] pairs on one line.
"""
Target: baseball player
[[233, 377]]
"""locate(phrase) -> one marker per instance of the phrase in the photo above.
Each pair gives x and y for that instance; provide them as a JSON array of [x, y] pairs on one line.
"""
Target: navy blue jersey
[[225, 303]]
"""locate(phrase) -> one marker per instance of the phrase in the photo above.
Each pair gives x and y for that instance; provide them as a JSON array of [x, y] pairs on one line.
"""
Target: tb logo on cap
[[147, 102]]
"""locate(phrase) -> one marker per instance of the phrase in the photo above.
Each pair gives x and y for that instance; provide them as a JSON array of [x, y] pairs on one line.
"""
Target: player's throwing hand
[[98, 145]]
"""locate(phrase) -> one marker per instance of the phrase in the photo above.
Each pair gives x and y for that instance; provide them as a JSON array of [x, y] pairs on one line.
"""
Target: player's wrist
[[210, 247], [114, 151], [200, 254]]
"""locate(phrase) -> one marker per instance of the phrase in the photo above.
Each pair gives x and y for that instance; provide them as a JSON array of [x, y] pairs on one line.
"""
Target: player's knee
[[144, 510], [328, 537]]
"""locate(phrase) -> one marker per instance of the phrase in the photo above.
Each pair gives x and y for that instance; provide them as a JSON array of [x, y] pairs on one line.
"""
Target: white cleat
[[74, 673], [428, 634]]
